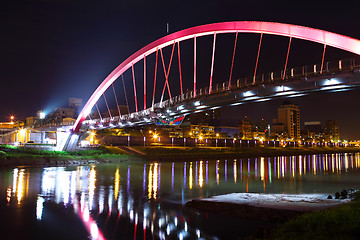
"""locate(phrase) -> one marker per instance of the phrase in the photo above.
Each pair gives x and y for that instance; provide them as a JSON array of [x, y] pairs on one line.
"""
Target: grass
[[9, 150], [342, 222]]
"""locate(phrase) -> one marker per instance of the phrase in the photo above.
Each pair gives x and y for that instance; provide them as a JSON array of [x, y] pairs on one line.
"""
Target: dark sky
[[55, 49]]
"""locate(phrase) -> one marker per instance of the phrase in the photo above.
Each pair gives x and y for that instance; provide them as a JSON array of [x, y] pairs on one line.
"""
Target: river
[[146, 200]]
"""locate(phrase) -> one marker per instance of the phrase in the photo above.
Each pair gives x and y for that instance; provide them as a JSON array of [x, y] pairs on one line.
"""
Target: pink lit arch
[[281, 29]]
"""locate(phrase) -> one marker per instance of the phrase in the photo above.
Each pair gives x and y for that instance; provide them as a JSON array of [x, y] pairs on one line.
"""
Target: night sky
[[52, 50]]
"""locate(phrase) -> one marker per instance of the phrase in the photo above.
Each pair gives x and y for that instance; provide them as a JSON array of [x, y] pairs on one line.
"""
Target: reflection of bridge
[[289, 82]]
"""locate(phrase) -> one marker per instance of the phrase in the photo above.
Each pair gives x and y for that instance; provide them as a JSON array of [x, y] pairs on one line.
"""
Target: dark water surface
[[146, 201]]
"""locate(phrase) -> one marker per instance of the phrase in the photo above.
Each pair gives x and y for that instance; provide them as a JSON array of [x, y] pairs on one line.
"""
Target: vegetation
[[337, 223], [10, 150]]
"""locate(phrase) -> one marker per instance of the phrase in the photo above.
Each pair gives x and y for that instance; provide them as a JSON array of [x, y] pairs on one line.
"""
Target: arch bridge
[[289, 82]]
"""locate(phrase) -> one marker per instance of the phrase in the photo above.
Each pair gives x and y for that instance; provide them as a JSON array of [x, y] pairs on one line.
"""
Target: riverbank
[[163, 153], [283, 216], [11, 156], [19, 156]]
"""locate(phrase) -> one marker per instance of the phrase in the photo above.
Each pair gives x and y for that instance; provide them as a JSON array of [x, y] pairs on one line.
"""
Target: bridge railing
[[276, 77]]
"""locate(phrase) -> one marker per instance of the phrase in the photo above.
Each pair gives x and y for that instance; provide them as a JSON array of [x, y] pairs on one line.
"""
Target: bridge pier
[[71, 142], [66, 140]]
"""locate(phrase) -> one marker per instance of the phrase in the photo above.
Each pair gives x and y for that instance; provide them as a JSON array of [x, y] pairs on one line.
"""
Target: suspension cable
[[127, 103], [98, 111], [287, 57], [257, 58], [181, 85], [156, 62], [212, 63], [107, 106], [134, 84], [322, 60], [117, 103], [166, 72], [232, 62]]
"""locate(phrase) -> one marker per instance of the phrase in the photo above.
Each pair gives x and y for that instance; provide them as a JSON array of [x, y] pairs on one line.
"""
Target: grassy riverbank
[[336, 223], [162, 153], [20, 156]]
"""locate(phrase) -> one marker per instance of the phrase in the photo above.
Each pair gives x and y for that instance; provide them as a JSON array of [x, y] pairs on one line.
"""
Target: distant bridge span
[[292, 31]]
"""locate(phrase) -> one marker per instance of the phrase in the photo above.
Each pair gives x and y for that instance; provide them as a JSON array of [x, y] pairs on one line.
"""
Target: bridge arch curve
[[281, 29]]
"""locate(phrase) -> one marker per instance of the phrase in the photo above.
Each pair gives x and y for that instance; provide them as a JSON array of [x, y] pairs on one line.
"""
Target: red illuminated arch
[[280, 29]]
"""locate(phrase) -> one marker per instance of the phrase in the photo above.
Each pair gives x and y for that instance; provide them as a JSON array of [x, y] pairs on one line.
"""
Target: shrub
[[2, 155]]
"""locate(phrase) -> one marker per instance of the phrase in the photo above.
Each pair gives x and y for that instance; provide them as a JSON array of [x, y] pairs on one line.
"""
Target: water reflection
[[98, 197]]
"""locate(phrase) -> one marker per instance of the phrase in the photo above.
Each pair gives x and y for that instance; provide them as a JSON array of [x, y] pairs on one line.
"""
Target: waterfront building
[[245, 128], [289, 117], [197, 130], [331, 129]]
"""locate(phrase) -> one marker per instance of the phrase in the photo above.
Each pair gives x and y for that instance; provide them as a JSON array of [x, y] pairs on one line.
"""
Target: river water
[[146, 200]]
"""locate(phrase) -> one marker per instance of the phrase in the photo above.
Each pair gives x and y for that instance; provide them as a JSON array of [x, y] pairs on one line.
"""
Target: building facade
[[289, 116]]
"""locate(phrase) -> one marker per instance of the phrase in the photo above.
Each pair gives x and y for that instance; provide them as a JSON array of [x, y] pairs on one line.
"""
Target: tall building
[[245, 132], [289, 116], [75, 103], [312, 131], [331, 129]]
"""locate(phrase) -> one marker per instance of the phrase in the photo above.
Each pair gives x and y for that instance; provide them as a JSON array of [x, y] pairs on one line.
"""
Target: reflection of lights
[[150, 185], [94, 231], [217, 172], [92, 179], [101, 199], [39, 207], [8, 194], [190, 176], [20, 187], [15, 177], [269, 165], [201, 172], [116, 183], [292, 166], [262, 169], [154, 180]]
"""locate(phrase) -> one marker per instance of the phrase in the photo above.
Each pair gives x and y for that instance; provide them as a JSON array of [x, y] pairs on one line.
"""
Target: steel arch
[[281, 29]]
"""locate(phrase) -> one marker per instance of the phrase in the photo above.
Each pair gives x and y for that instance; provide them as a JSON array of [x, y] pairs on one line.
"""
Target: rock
[[337, 195], [329, 197], [343, 194]]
